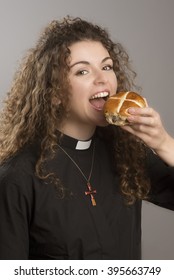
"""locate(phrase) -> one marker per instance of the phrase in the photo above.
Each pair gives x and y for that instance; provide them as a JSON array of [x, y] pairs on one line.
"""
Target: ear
[[56, 101]]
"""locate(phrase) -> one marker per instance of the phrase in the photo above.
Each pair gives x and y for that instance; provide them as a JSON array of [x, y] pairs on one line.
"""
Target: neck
[[77, 132]]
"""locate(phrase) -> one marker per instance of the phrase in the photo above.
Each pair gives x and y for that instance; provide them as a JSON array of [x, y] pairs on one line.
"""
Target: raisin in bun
[[115, 108]]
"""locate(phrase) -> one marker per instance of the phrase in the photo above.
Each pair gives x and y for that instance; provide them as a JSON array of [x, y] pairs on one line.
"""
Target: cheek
[[115, 83], [76, 96], [80, 90], [75, 85]]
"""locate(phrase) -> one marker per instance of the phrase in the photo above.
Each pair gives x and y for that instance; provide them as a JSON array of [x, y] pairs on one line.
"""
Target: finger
[[141, 111], [146, 133], [146, 121], [140, 132]]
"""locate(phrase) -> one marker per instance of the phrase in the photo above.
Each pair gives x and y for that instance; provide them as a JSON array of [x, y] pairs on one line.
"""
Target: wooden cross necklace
[[90, 191]]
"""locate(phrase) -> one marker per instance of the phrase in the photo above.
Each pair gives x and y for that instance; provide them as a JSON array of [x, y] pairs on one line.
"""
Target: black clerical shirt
[[36, 224]]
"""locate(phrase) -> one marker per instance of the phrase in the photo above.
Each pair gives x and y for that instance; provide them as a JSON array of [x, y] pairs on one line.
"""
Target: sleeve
[[162, 182], [15, 214]]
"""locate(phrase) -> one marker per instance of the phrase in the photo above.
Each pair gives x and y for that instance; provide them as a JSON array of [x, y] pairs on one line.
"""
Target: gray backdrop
[[145, 28]]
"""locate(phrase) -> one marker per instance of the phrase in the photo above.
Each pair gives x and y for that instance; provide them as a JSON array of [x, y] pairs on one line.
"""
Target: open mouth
[[98, 100]]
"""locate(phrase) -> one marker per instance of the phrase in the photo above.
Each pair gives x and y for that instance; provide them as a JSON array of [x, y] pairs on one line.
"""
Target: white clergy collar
[[83, 145], [72, 143]]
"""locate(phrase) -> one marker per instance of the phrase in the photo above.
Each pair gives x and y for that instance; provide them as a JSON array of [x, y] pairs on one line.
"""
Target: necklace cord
[[92, 163], [90, 192]]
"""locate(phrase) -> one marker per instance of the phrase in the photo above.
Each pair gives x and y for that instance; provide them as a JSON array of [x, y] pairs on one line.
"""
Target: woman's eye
[[81, 72], [108, 67]]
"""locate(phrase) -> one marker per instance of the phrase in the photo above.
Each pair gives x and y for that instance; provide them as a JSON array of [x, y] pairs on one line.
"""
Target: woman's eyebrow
[[87, 63], [79, 62], [106, 58]]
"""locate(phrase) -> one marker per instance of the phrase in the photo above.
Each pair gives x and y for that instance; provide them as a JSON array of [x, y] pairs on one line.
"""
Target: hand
[[146, 124]]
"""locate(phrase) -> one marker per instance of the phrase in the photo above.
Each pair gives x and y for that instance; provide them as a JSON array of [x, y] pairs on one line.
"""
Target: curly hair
[[30, 114]]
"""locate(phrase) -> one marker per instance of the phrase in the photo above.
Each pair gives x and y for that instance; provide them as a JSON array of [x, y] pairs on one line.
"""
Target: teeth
[[100, 95]]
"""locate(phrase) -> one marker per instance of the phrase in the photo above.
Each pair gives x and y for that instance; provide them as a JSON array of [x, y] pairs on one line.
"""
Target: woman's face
[[92, 80]]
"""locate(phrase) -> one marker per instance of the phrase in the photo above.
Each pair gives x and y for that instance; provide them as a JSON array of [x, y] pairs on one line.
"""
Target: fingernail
[[130, 118], [131, 110]]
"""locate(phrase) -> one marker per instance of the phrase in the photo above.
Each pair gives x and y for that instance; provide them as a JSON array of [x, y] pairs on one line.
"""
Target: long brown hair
[[30, 115]]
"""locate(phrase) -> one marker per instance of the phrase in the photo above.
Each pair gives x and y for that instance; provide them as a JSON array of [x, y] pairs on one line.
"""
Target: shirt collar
[[83, 145], [75, 144]]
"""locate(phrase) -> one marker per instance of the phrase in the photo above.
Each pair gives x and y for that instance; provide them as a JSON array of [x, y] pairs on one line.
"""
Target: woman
[[71, 185]]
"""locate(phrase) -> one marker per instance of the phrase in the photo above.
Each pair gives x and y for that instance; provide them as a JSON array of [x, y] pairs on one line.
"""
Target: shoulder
[[19, 171]]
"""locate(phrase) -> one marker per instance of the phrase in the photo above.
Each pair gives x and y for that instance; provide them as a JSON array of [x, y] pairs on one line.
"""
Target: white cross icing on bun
[[116, 107]]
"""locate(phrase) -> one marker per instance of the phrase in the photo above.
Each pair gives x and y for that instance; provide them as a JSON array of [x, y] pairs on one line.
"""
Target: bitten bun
[[115, 108]]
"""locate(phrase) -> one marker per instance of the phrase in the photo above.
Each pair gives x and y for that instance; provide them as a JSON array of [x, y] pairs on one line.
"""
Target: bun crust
[[115, 108]]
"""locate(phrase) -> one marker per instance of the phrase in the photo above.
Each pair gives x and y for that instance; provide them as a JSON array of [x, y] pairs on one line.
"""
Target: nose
[[100, 77]]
